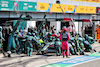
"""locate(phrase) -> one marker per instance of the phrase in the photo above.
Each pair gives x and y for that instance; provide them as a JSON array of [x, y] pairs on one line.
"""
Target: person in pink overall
[[65, 46], [60, 35]]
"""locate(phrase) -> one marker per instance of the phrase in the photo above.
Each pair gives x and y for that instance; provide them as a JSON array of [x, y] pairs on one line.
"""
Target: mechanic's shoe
[[76, 54], [67, 57], [9, 55], [39, 54], [57, 55], [81, 53], [60, 55]]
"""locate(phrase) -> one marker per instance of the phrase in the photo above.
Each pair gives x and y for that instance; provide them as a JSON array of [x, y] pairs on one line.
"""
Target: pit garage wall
[[41, 15], [48, 15]]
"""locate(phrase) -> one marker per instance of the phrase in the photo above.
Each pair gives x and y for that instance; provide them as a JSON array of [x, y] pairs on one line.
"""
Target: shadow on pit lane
[[25, 62], [10, 58], [48, 55]]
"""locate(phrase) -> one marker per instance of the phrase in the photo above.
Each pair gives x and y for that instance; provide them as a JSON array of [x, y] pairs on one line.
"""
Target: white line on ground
[[83, 62], [70, 65]]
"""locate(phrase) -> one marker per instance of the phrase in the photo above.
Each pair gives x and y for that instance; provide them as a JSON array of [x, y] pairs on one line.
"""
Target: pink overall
[[65, 46]]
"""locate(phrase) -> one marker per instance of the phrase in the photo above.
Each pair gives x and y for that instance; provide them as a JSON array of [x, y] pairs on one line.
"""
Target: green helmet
[[29, 33], [80, 39], [86, 35], [33, 34], [49, 34]]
